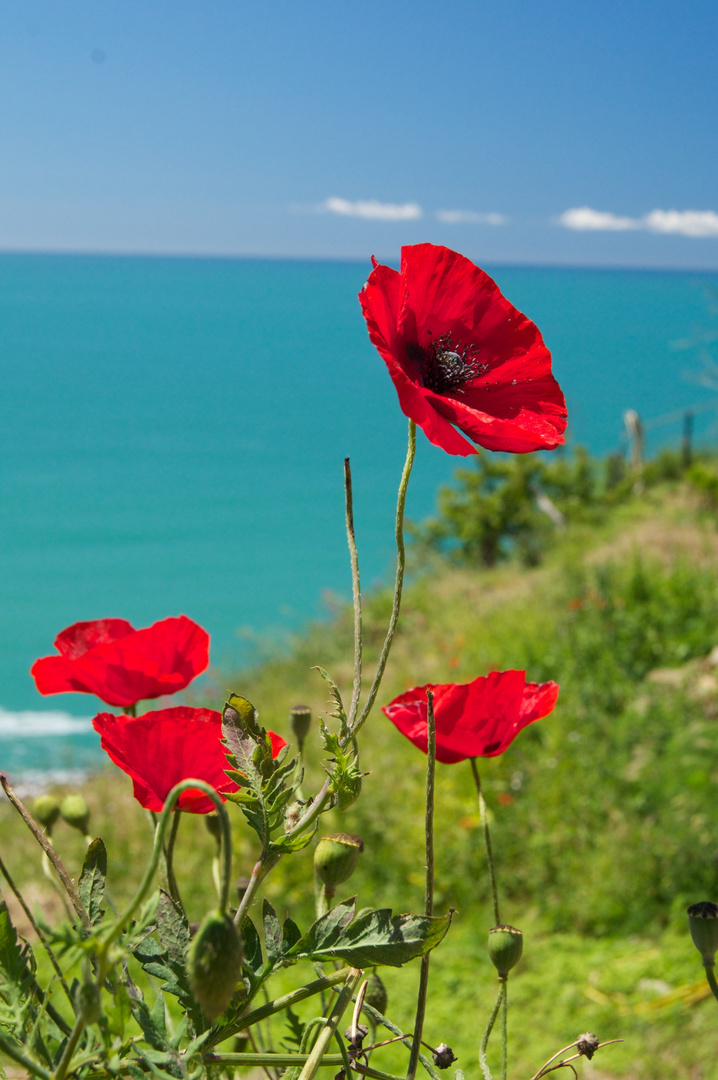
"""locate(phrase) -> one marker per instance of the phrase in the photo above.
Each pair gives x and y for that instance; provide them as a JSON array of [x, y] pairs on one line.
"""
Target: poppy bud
[[88, 1003], [376, 995], [336, 857], [349, 791], [46, 810], [300, 717], [506, 944], [703, 925], [213, 826], [76, 812], [214, 963]]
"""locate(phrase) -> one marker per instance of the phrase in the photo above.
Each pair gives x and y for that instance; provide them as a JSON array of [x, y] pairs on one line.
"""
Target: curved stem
[[356, 592], [710, 976], [429, 883], [398, 583], [172, 886], [170, 803], [16, 1054], [487, 841], [489, 1028]]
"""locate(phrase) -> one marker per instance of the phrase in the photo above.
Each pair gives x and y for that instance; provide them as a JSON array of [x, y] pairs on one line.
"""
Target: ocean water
[[172, 436]]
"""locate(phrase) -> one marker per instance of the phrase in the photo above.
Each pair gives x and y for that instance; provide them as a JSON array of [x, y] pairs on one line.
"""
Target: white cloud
[[373, 210], [583, 218], [470, 217], [684, 222], [679, 222]]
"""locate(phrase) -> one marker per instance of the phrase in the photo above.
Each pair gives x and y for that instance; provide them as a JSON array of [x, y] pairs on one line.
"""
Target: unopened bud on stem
[[335, 859], [703, 925], [46, 810], [300, 717], [214, 963], [76, 812]]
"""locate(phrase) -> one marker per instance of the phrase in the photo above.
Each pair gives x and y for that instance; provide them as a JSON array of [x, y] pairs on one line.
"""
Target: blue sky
[[537, 131]]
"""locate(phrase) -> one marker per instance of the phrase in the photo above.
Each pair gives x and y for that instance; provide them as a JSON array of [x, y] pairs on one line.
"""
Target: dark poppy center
[[444, 367]]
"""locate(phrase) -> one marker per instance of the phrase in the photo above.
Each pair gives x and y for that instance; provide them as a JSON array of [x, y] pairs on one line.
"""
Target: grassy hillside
[[602, 814]]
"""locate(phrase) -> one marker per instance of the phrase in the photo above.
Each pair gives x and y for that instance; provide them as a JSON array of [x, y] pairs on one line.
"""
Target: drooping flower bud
[[506, 944], [376, 994], [76, 812], [703, 925], [336, 857], [214, 963], [88, 1002], [300, 717], [46, 810], [213, 826]]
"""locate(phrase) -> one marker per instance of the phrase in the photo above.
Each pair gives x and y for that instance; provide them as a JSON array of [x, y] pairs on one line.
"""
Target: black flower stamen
[[444, 368]]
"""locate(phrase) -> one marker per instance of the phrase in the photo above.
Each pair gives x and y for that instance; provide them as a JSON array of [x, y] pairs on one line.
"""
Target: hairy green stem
[[16, 1054], [429, 882], [327, 1032], [377, 1018], [287, 1060], [487, 841], [49, 851], [278, 1005], [356, 592], [398, 583], [170, 802], [489, 1028], [64, 1063], [172, 886]]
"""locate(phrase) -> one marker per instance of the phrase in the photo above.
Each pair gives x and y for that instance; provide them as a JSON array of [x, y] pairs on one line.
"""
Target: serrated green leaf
[[172, 928], [286, 844], [91, 886], [14, 954], [291, 934], [252, 946], [375, 938], [339, 711], [272, 934]]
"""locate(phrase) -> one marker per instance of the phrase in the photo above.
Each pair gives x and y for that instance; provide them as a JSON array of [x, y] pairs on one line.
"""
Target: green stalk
[[327, 1032], [170, 802], [487, 841], [489, 1028], [356, 592], [377, 1018], [398, 583], [710, 976], [172, 886], [429, 883], [69, 1050], [17, 1055], [504, 1029]]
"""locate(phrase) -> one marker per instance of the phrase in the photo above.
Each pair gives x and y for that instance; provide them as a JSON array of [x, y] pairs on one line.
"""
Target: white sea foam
[[36, 781], [25, 725]]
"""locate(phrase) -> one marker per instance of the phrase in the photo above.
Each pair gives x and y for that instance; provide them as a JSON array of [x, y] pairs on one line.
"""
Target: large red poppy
[[460, 354], [121, 665], [477, 719], [163, 747]]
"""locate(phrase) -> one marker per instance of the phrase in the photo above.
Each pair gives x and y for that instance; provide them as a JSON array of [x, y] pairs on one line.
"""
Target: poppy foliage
[[461, 356], [161, 748], [121, 665], [477, 719]]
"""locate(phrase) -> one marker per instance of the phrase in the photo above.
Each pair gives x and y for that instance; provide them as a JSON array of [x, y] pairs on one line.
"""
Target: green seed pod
[[376, 995], [300, 717], [336, 857], [214, 963], [88, 1002], [46, 810], [703, 925], [76, 812], [506, 944], [350, 790]]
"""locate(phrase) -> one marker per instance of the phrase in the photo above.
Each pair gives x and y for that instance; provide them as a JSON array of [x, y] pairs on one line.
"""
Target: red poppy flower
[[163, 747], [121, 665], [460, 354], [477, 719]]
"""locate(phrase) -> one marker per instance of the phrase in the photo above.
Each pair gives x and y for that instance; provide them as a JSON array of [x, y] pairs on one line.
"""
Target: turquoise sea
[[172, 436]]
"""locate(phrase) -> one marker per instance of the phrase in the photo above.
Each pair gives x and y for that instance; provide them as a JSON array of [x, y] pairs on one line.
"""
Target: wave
[[24, 725]]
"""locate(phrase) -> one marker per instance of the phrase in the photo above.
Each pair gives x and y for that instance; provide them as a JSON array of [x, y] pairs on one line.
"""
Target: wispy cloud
[[699, 223], [470, 217], [584, 219], [373, 210]]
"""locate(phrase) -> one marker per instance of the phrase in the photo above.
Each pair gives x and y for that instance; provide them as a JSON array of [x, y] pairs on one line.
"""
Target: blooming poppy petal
[[460, 354], [161, 748], [121, 665], [477, 719]]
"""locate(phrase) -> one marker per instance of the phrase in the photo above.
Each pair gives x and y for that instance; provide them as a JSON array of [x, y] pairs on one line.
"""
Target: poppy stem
[[504, 1028], [356, 591], [429, 884], [170, 803], [398, 584], [169, 851], [487, 841], [489, 1028]]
